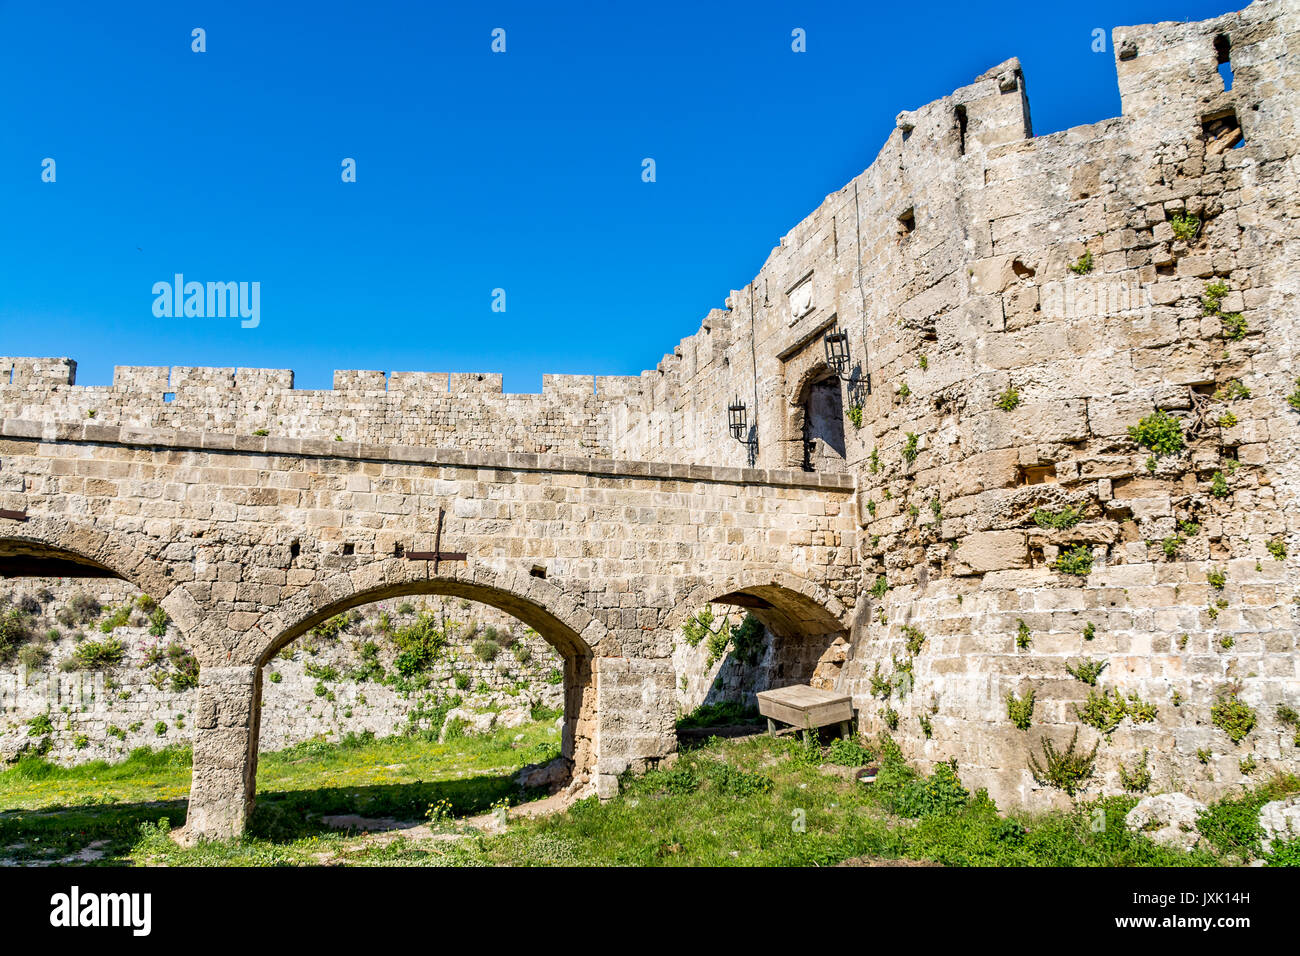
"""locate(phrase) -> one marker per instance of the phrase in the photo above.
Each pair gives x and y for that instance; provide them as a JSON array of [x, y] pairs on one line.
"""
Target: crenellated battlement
[[572, 415]]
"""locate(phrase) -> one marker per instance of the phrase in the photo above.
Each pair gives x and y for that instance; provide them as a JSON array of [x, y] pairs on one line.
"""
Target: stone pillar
[[636, 711], [225, 752]]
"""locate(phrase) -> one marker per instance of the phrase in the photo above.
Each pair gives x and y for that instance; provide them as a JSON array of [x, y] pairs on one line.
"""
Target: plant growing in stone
[[1076, 560], [1089, 630], [904, 390], [1219, 486], [875, 461], [1137, 780], [1023, 635], [1233, 716], [1105, 712], [98, 655], [1068, 769], [1159, 432], [1087, 670], [1083, 265], [855, 415], [1020, 710], [1061, 520], [915, 639], [1186, 227], [1277, 548], [923, 362], [1294, 398], [909, 447], [879, 587], [1218, 580], [1009, 400]]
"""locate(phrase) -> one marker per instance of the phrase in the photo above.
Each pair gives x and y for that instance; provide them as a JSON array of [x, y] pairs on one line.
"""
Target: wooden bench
[[806, 708]]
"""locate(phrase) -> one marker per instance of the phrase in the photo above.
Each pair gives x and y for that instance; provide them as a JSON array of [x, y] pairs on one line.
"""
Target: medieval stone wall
[[1014, 305]]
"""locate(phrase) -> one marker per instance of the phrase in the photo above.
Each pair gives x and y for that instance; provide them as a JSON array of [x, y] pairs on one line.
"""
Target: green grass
[[751, 801]]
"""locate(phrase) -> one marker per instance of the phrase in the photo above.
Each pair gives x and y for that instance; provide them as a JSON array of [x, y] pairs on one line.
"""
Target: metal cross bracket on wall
[[437, 555]]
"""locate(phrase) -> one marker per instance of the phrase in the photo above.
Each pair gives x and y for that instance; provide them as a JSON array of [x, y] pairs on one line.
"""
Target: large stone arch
[[65, 544], [226, 739]]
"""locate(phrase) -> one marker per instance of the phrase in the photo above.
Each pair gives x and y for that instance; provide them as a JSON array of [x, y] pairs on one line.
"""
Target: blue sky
[[475, 170]]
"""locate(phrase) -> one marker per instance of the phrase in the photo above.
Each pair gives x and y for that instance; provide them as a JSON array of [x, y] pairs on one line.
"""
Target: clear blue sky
[[476, 170]]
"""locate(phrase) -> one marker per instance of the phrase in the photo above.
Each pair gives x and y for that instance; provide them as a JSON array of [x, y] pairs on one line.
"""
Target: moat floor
[[753, 801]]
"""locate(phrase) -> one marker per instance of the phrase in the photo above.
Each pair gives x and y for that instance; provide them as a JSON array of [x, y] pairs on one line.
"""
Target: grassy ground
[[751, 801]]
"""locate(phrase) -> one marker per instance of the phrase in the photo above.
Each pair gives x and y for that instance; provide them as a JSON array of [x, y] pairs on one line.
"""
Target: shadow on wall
[[722, 657]]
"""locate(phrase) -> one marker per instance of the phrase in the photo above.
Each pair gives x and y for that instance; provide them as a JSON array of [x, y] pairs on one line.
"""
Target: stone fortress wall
[[1014, 306], [972, 259]]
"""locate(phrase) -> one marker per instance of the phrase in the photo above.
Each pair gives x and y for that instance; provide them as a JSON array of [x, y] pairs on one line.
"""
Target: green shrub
[[1105, 711], [909, 447], [1087, 670], [1062, 520], [1233, 716], [1024, 637], [118, 617], [421, 642], [485, 650], [1217, 579], [1084, 264], [1137, 780], [158, 621], [1219, 485], [1158, 432], [1186, 227], [1009, 400], [40, 726], [848, 752], [1068, 769], [1076, 560], [98, 655], [855, 415], [1234, 326], [1277, 548], [1089, 630], [1020, 710]]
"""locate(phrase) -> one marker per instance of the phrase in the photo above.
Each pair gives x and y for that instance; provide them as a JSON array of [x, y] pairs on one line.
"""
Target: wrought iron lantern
[[736, 420], [837, 351]]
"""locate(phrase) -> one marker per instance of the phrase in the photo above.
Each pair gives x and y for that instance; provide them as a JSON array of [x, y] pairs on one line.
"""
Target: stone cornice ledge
[[90, 432]]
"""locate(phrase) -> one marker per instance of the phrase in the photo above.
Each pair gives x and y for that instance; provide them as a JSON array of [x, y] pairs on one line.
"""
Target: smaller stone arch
[[808, 628]]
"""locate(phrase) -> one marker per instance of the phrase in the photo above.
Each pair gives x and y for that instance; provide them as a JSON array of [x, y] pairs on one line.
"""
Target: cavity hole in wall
[[294, 550], [349, 548], [538, 571], [1022, 270], [961, 130], [398, 550], [1223, 50], [1221, 132], [907, 221], [1037, 475]]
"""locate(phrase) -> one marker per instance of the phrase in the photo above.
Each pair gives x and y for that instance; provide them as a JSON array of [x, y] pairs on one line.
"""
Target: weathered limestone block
[[991, 551], [1280, 821], [1168, 819]]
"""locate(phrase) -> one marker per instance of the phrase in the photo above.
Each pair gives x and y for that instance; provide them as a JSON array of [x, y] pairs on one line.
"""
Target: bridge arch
[[808, 632], [556, 616]]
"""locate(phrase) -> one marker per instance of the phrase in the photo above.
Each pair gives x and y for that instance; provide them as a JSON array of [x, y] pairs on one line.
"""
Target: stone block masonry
[[1059, 464]]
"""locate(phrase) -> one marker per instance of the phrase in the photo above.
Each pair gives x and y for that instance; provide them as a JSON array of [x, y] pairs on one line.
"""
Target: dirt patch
[[880, 861]]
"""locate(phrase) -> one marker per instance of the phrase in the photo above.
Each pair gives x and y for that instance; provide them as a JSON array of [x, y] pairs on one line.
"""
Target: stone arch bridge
[[249, 541]]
